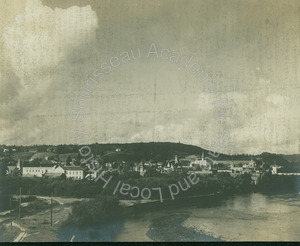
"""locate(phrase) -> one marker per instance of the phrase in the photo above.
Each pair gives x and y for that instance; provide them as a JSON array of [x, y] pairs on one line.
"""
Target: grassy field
[[22, 155]]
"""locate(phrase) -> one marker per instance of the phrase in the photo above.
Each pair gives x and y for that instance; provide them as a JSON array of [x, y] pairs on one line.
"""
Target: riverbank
[[170, 229]]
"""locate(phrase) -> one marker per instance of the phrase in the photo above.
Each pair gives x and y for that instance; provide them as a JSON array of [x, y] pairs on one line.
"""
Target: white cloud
[[34, 45], [41, 37]]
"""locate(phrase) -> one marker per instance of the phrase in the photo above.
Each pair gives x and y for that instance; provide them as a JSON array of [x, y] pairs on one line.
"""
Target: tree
[[226, 182], [94, 212], [243, 182], [267, 182], [127, 175], [36, 161], [151, 172], [3, 169], [16, 172], [63, 176], [68, 161]]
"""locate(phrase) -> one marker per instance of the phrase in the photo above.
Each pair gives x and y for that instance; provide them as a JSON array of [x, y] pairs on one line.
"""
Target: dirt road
[[22, 235]]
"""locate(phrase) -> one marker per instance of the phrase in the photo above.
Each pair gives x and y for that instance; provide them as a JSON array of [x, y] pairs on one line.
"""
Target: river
[[250, 217]]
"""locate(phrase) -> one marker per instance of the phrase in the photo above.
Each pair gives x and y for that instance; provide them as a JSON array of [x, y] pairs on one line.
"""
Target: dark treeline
[[207, 184], [87, 188], [222, 182], [278, 184], [90, 189]]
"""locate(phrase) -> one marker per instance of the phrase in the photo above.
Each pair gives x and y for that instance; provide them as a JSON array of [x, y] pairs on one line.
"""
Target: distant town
[[49, 163]]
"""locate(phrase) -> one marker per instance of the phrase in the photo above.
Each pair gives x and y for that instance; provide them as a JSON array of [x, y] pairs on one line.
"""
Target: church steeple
[[19, 164], [176, 159], [202, 155]]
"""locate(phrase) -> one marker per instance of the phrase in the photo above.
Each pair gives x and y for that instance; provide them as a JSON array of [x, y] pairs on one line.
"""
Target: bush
[[94, 212]]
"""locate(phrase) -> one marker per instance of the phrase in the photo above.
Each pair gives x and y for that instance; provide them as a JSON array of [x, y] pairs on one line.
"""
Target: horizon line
[[74, 144]]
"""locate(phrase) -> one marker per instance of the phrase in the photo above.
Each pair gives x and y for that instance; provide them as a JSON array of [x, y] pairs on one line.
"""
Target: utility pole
[[51, 208], [20, 202], [10, 212]]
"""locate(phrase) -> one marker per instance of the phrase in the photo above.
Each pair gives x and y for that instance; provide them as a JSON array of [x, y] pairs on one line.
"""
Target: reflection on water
[[251, 217]]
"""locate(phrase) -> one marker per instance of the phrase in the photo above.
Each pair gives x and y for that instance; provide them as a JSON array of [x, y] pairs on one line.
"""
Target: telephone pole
[[10, 212], [20, 202], [51, 208]]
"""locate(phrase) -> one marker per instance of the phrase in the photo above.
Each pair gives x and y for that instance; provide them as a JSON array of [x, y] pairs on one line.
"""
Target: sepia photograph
[[149, 121]]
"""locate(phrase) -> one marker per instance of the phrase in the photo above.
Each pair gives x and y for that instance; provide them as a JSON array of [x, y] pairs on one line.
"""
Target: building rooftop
[[38, 165], [224, 168], [73, 168]]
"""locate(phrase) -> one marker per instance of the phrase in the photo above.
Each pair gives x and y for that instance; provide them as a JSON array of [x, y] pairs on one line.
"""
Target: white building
[[202, 164], [74, 172], [224, 170], [274, 169], [249, 165], [108, 165], [237, 168], [39, 171]]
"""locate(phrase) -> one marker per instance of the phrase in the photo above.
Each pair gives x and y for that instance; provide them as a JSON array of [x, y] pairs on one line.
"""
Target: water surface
[[250, 217]]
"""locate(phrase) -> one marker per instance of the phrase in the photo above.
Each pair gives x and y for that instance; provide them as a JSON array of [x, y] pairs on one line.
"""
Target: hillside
[[147, 151], [156, 151], [293, 158]]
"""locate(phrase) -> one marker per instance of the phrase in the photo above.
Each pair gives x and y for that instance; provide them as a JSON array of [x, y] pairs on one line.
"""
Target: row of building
[[51, 168]]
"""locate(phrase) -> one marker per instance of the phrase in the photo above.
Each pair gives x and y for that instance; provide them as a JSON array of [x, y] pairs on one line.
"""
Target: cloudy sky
[[249, 48]]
